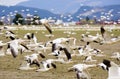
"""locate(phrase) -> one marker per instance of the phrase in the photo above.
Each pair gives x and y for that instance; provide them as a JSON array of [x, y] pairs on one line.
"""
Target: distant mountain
[[110, 12], [4, 11]]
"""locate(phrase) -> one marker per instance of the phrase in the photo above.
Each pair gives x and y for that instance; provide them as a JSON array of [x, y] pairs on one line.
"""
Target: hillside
[[110, 12]]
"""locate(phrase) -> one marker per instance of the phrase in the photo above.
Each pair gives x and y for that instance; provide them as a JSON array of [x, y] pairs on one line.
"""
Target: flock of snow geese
[[63, 52]]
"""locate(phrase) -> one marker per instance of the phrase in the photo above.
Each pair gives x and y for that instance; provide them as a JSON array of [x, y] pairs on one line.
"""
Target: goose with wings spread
[[81, 70], [14, 45], [107, 38]]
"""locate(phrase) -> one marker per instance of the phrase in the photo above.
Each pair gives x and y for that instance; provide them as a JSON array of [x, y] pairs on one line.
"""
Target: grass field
[[9, 65]]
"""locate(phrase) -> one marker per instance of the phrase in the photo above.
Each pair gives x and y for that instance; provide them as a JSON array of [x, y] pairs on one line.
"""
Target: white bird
[[33, 58], [47, 65], [107, 39], [14, 45], [45, 22], [116, 55], [90, 38], [89, 59], [31, 37], [9, 33], [81, 70], [103, 66], [87, 49], [61, 40], [112, 68], [55, 53], [49, 35], [67, 51], [80, 50], [96, 51]]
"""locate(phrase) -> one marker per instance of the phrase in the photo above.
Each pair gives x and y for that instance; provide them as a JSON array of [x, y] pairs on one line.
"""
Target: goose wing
[[53, 65], [53, 47], [47, 26], [42, 55], [105, 34], [67, 53], [14, 51]]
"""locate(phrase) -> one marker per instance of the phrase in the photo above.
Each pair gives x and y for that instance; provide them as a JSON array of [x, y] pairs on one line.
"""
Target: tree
[[87, 18], [18, 19], [1, 23]]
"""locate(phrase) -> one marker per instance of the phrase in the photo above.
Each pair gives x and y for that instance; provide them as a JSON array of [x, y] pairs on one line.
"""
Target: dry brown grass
[[9, 65]]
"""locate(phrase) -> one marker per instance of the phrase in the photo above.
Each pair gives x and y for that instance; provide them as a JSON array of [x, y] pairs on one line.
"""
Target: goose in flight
[[116, 55], [45, 22], [14, 45], [9, 33], [31, 60], [89, 59], [81, 70], [62, 51], [90, 38], [112, 68], [66, 50], [47, 65], [87, 50], [107, 39], [31, 37], [57, 41]]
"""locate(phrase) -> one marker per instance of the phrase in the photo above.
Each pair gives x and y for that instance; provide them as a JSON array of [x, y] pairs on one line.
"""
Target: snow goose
[[33, 58], [31, 37], [112, 68], [89, 59], [45, 22], [9, 33], [107, 39], [14, 46], [90, 38], [116, 55], [47, 65], [55, 53], [81, 70], [60, 41], [67, 51]]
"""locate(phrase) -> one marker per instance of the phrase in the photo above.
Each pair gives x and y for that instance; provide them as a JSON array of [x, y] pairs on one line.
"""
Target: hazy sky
[[59, 6]]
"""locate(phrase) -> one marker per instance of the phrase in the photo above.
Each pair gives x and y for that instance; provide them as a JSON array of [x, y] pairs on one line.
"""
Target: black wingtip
[[32, 35], [12, 38], [42, 55], [67, 53], [88, 43], [25, 46], [53, 47], [47, 26], [53, 65], [11, 32]]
